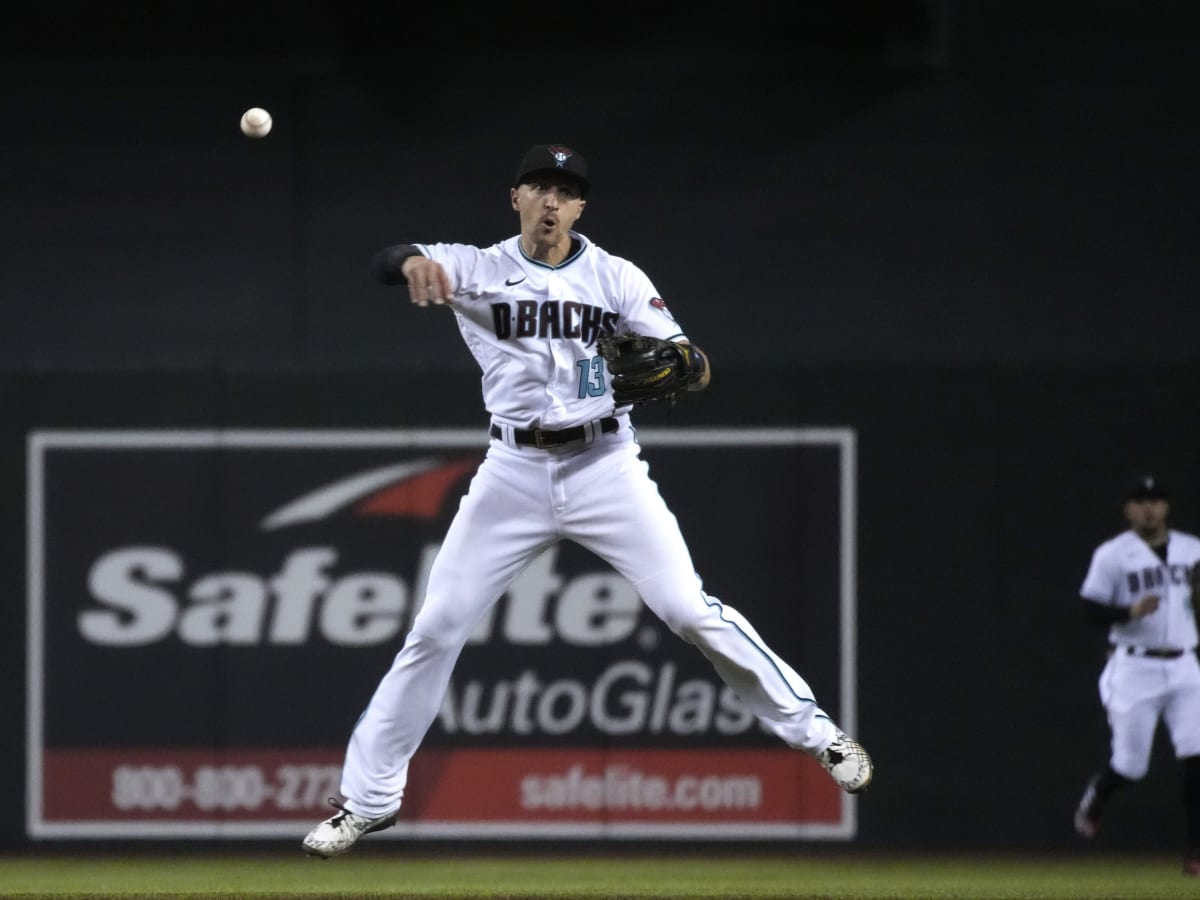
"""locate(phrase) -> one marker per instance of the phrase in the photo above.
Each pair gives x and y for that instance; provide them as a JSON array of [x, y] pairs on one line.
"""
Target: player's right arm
[[428, 281]]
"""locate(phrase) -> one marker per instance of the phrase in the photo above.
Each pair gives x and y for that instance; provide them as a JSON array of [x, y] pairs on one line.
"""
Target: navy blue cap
[[1147, 487], [545, 158]]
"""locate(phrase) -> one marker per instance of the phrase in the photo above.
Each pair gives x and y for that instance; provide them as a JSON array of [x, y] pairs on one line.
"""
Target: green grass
[[386, 872]]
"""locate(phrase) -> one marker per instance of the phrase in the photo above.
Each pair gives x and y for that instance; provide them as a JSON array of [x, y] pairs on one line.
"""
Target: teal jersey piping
[[720, 606]]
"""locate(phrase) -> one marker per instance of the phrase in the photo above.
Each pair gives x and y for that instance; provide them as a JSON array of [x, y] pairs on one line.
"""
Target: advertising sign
[[210, 611]]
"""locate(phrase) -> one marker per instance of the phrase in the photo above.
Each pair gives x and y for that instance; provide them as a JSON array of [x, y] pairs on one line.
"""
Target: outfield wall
[[978, 495]]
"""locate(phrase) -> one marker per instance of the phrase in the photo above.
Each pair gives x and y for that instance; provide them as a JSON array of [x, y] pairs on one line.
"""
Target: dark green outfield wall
[[980, 495]]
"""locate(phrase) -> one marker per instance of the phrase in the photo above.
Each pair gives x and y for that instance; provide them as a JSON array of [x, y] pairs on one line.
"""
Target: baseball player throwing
[[537, 310], [1141, 586]]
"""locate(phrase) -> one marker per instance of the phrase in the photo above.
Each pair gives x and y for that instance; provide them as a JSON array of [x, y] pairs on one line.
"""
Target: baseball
[[256, 122]]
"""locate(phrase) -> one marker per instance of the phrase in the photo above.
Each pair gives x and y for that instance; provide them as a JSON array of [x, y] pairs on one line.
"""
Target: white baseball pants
[[1136, 692], [522, 499]]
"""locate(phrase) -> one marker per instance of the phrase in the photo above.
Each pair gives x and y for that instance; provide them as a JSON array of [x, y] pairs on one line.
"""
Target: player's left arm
[[699, 370], [648, 314]]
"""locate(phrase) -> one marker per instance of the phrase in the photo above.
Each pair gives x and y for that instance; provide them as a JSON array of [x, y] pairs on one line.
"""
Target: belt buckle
[[537, 439]]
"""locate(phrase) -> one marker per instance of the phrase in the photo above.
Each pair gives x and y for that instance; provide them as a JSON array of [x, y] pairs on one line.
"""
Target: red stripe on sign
[[422, 495], [492, 785], [771, 786]]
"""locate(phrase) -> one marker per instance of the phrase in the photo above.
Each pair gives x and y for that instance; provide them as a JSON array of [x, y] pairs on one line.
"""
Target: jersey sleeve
[[1100, 583], [462, 263], [643, 310]]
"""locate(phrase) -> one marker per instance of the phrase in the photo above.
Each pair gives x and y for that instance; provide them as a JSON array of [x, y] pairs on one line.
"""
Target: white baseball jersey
[[1125, 569], [532, 327], [1139, 690]]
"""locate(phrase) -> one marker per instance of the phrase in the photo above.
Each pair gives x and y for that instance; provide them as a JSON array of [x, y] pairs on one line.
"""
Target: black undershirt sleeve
[[385, 265], [1103, 613]]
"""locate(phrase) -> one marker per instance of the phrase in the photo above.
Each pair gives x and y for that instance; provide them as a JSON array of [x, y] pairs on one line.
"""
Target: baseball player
[[1140, 586], [562, 464]]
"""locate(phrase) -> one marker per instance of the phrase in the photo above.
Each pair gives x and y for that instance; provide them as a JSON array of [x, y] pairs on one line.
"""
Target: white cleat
[[848, 763], [337, 834]]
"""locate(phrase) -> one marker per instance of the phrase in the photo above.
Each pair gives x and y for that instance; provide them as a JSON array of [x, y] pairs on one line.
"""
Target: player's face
[[1147, 517], [549, 207]]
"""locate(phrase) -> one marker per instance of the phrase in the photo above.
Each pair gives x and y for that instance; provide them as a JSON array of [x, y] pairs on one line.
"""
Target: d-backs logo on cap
[[561, 154]]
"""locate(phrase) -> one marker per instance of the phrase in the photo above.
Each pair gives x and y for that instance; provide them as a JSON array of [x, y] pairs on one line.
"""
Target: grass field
[[384, 874]]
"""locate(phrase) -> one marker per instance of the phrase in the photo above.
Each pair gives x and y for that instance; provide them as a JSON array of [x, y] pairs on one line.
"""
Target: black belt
[[1152, 652], [538, 437]]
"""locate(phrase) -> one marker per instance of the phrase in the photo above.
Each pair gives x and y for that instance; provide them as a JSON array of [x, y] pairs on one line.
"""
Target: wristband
[[387, 264]]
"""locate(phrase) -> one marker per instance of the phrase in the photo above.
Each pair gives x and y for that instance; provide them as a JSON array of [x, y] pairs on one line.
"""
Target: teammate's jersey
[[532, 327], [1125, 569]]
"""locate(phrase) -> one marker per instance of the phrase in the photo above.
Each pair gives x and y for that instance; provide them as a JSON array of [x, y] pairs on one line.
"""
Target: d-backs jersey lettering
[[533, 327], [1125, 569]]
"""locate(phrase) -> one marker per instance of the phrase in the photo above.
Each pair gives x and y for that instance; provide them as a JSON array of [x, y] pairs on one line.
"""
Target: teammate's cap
[[1147, 487], [553, 158]]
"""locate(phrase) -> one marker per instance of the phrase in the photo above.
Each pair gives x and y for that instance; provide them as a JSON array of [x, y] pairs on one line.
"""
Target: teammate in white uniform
[[1141, 585], [563, 464]]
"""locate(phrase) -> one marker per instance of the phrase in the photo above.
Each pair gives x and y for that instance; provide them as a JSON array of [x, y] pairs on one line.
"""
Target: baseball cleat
[[1084, 826], [1087, 823], [337, 834], [848, 763]]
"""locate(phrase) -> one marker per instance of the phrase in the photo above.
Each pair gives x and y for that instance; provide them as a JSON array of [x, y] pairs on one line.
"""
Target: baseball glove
[[646, 369]]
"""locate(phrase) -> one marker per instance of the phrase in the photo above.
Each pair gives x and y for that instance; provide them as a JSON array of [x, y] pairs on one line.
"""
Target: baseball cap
[[1146, 487], [553, 158]]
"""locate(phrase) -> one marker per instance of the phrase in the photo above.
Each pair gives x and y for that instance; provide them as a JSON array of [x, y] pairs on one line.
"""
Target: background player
[[1141, 585], [563, 463]]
